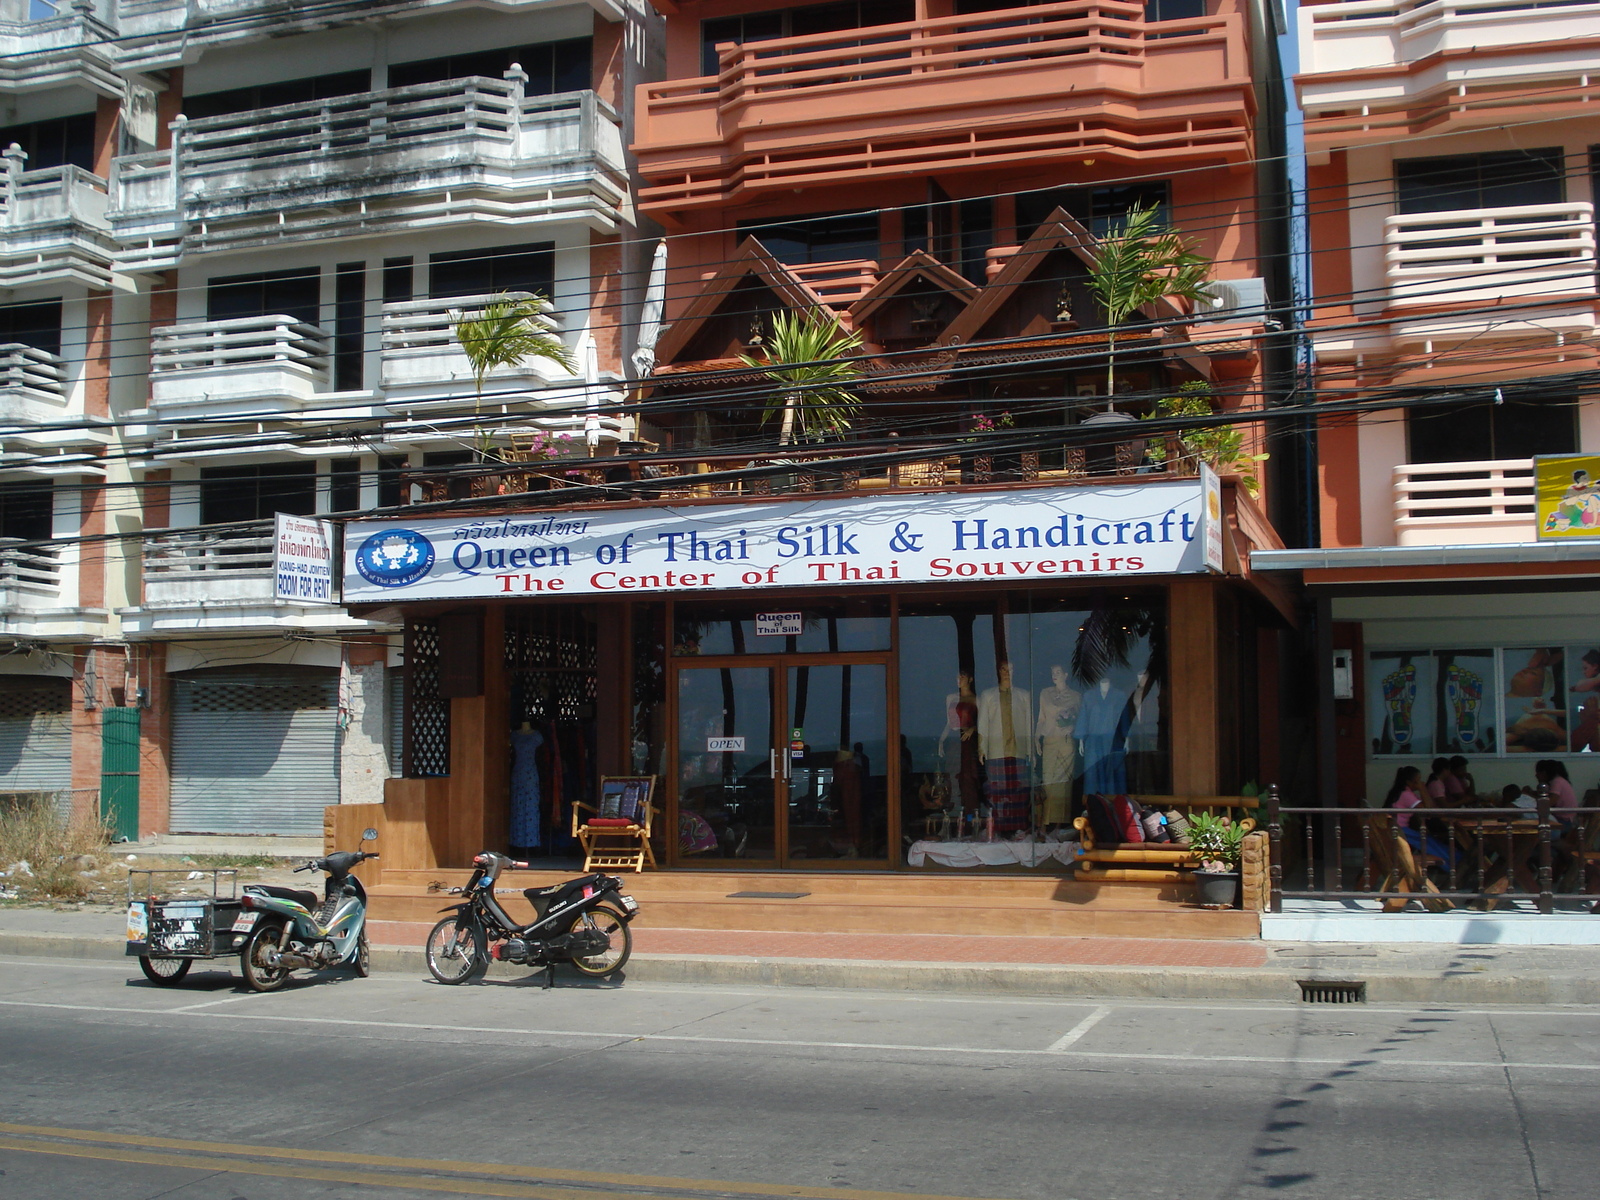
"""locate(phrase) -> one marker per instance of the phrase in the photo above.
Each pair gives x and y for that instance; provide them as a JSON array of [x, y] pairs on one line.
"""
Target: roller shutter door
[[36, 736], [395, 680], [255, 751]]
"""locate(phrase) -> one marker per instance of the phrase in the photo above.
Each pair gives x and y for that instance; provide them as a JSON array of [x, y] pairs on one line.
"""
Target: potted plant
[[1215, 841]]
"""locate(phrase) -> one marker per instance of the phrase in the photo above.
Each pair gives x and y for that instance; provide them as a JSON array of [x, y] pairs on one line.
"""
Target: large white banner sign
[[302, 560], [964, 537]]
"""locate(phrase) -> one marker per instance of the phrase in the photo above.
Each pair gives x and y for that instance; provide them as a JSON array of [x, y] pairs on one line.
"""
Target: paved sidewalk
[[1067, 967]]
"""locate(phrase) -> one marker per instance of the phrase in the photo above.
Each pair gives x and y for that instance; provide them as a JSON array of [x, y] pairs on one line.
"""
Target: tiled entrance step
[[868, 903]]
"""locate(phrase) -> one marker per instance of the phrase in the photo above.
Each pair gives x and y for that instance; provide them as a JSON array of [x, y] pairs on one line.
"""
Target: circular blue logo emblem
[[394, 557]]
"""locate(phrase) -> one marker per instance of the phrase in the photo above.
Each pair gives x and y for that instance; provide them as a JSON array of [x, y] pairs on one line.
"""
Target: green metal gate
[[119, 771]]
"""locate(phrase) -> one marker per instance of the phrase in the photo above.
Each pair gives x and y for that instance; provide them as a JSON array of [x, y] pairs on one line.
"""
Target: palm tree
[[507, 332], [1138, 262], [814, 393]]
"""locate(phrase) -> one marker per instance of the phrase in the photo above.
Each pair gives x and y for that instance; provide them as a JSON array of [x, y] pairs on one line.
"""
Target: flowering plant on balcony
[[1220, 447]]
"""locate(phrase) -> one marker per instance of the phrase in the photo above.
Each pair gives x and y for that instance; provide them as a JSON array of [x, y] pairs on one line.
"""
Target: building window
[[398, 285], [60, 142], [1515, 428], [828, 237], [35, 325], [296, 294], [25, 511], [1097, 209], [1173, 10], [1506, 179], [254, 491], [271, 95], [551, 67], [349, 326], [344, 485], [526, 268], [390, 469], [798, 22]]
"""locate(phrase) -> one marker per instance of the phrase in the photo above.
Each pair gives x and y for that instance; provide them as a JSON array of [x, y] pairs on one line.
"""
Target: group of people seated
[[1451, 786]]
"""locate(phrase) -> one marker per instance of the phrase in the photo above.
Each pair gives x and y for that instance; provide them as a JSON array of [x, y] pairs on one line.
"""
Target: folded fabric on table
[[990, 854]]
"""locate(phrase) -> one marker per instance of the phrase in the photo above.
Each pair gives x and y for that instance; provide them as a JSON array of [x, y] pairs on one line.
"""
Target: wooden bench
[[1151, 862]]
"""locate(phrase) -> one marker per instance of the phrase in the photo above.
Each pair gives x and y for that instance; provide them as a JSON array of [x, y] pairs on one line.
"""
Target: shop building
[[1452, 227], [232, 241]]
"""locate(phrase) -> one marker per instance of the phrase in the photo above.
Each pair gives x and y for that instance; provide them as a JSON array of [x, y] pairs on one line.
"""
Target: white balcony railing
[[242, 358], [52, 224], [457, 150], [1363, 34], [1464, 503], [29, 578], [182, 569], [1486, 254], [31, 372], [420, 347]]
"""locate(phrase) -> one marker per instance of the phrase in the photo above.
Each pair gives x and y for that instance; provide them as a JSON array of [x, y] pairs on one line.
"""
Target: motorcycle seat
[[307, 900]]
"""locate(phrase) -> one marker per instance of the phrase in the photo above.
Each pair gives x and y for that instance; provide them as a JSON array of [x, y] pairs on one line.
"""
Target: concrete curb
[[1280, 984]]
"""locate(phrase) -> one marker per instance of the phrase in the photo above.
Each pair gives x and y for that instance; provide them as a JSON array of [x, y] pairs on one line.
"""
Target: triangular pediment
[[1051, 267], [918, 274], [732, 305]]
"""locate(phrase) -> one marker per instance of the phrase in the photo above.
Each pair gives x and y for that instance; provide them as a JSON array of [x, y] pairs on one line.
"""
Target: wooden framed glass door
[[783, 761]]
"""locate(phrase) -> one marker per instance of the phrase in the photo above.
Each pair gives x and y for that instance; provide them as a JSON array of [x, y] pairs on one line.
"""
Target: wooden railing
[[792, 470]]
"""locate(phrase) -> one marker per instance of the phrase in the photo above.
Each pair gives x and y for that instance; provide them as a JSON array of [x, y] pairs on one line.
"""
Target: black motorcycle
[[583, 921]]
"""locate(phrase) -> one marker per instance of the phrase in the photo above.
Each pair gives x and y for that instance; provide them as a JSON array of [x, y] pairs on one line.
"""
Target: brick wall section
[[605, 299], [155, 741], [168, 105], [608, 57], [107, 113]]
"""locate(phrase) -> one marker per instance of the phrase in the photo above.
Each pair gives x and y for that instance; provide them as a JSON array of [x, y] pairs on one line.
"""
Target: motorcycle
[[583, 921], [290, 931]]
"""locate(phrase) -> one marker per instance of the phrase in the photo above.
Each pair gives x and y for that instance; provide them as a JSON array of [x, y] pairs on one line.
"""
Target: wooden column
[[613, 685], [1192, 671], [473, 811]]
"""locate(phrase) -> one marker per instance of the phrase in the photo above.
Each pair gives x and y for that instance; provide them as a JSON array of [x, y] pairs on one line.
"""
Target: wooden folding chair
[[1400, 870], [615, 834]]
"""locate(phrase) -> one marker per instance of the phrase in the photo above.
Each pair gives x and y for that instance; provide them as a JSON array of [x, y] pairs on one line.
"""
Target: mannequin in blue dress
[[525, 817]]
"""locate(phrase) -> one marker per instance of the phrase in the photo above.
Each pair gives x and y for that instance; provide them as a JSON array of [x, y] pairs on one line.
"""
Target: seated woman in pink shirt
[[1406, 793], [1552, 773]]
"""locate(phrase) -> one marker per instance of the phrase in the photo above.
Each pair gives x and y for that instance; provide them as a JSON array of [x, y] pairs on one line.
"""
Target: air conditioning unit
[[1243, 300]]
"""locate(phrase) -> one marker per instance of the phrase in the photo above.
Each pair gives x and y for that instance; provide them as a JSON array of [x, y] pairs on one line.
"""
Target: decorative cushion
[[609, 823]]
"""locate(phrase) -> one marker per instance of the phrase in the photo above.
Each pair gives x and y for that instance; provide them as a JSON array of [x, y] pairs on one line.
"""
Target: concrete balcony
[[30, 579], [236, 365], [32, 385], [421, 357], [458, 152], [52, 225], [1372, 68], [74, 48], [1457, 261], [215, 581], [839, 284], [1464, 503], [1014, 88]]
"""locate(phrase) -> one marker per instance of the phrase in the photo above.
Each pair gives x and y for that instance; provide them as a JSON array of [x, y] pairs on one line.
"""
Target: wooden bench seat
[[1138, 858]]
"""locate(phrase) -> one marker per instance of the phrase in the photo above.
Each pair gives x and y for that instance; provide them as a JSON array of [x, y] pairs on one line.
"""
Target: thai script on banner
[[966, 537], [302, 560]]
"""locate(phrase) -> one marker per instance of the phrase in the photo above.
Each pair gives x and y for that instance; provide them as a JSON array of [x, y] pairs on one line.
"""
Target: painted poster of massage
[[1400, 702], [1535, 712]]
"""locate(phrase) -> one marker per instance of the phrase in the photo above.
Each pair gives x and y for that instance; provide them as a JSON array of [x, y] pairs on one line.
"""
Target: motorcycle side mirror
[[369, 835]]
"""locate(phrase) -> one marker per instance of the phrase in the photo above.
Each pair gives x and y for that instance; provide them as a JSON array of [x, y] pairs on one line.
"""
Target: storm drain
[[1326, 991]]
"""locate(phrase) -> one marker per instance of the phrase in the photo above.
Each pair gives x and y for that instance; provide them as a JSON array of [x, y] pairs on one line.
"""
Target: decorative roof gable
[[744, 290]]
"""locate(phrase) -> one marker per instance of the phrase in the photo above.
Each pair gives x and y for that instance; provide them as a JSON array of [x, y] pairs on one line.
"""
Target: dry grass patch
[[59, 851]]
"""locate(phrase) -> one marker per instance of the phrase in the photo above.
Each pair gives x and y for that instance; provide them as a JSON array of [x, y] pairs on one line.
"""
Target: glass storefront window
[[833, 626], [1021, 711]]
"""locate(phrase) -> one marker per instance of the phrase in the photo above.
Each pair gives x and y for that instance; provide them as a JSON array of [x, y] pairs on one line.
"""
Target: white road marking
[[1078, 1030], [794, 1043]]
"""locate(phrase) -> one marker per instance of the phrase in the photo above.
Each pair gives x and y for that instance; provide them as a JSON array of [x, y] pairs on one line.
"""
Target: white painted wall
[[363, 755]]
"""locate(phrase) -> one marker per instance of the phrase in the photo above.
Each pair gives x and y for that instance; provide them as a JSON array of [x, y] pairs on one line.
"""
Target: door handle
[[772, 762]]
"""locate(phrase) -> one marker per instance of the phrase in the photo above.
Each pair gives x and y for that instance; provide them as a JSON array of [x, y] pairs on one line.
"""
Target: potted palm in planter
[[1216, 842]]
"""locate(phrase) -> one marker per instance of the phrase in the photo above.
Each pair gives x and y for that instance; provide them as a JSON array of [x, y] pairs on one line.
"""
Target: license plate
[[244, 922], [629, 904]]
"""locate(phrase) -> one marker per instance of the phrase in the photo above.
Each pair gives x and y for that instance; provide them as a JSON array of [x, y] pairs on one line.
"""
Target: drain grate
[[1327, 991], [767, 895]]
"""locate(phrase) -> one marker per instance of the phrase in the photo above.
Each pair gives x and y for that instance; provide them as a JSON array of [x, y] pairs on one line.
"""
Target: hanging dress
[[526, 819]]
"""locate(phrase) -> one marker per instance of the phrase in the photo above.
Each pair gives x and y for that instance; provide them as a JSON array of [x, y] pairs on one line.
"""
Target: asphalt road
[[394, 1087]]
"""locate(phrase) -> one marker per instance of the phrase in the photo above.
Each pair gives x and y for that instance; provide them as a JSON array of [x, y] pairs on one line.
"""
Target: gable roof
[[1059, 232], [919, 264], [752, 260]]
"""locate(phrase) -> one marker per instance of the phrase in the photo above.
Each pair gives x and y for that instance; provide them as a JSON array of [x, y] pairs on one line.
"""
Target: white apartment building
[[233, 239]]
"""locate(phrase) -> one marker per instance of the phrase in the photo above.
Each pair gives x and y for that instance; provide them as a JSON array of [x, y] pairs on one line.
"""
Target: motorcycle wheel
[[257, 971], [457, 951], [165, 970], [363, 959], [611, 923]]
